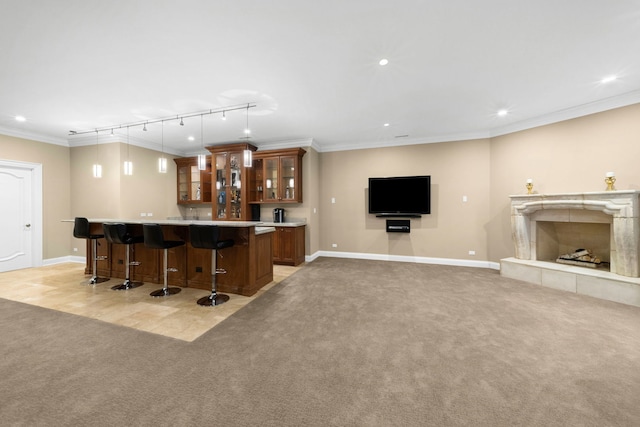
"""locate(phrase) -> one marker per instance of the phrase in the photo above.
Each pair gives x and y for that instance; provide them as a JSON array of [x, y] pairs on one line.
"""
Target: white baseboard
[[62, 260], [403, 258]]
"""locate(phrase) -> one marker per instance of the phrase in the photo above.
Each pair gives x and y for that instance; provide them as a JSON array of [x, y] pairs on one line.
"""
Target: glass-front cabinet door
[[289, 181], [231, 185], [271, 180], [183, 183], [235, 185], [277, 176], [221, 186]]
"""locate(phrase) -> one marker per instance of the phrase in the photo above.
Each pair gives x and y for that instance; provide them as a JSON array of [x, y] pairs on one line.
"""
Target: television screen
[[400, 196]]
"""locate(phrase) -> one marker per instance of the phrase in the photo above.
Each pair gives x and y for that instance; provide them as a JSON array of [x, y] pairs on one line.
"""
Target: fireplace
[[545, 226]]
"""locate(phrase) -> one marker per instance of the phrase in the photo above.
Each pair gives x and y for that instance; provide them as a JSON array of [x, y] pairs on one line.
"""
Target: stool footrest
[[101, 257], [221, 271], [134, 263], [172, 270]]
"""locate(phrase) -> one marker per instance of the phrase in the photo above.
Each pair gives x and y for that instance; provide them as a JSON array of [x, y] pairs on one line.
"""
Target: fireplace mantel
[[622, 208]]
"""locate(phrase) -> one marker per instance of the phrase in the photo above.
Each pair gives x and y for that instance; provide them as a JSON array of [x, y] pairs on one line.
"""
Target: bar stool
[[118, 234], [81, 230], [207, 237], [154, 239]]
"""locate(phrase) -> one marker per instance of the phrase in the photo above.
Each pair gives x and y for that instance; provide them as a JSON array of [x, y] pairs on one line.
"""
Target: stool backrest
[[81, 228], [153, 236], [203, 236], [115, 233]]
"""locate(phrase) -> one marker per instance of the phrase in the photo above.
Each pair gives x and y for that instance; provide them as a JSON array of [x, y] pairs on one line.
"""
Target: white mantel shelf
[[620, 208]]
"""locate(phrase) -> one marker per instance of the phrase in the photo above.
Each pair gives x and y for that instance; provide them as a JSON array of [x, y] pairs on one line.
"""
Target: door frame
[[36, 206]]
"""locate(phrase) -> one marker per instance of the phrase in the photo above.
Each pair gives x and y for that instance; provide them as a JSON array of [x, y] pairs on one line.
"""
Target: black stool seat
[[82, 230], [154, 239], [118, 233], [208, 237]]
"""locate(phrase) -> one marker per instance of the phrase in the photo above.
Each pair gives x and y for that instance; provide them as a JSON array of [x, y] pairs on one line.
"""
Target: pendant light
[[128, 165], [202, 158], [247, 154], [162, 161], [97, 168]]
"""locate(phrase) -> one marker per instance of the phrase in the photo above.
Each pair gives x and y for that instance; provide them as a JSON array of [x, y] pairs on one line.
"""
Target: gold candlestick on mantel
[[610, 179], [529, 186]]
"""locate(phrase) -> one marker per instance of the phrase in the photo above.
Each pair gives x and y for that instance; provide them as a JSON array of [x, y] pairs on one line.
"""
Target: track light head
[[181, 122], [144, 128]]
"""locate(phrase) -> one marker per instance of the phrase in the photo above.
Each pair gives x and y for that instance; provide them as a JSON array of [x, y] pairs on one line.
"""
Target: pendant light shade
[[162, 161], [248, 158], [128, 165], [97, 168], [162, 165], [202, 158]]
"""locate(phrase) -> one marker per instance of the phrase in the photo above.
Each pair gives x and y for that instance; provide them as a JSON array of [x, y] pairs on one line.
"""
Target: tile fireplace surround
[[620, 209]]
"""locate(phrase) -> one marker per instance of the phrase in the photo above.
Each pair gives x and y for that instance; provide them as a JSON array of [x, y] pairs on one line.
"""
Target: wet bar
[[249, 263]]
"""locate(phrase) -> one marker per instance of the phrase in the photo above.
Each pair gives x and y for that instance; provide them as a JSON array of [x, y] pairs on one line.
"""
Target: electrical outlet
[[464, 198], [75, 249], [143, 214], [333, 200], [315, 210], [334, 245], [150, 214], [472, 252]]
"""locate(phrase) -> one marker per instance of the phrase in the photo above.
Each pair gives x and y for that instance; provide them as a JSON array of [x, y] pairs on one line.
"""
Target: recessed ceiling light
[[21, 119], [609, 79], [386, 125], [191, 138], [383, 61], [502, 112]]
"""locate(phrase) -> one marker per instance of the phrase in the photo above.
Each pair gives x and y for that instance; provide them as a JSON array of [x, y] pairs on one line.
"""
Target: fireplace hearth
[[547, 226]]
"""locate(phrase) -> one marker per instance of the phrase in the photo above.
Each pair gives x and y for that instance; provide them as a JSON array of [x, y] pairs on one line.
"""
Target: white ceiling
[[311, 68]]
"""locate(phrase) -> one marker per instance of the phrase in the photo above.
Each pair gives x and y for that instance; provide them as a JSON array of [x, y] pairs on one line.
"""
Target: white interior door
[[18, 217]]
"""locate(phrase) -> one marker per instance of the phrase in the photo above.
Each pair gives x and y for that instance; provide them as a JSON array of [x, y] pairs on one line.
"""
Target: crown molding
[[85, 140], [589, 108], [18, 133]]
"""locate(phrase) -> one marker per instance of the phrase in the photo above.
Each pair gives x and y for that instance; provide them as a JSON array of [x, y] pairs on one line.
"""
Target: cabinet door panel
[[271, 179]]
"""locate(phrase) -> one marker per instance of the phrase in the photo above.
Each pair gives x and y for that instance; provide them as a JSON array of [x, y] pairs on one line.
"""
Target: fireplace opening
[[558, 239]]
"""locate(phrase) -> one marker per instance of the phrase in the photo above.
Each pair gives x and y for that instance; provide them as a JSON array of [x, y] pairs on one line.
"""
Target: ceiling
[[311, 68]]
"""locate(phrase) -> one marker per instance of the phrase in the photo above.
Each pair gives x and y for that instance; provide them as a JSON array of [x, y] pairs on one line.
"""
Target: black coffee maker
[[278, 215]]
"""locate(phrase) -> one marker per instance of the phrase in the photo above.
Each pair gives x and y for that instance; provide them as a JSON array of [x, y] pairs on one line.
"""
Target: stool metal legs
[[166, 290], [128, 284], [215, 298], [94, 268]]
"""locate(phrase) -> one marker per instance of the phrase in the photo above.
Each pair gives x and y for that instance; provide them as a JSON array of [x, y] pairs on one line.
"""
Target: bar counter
[[248, 262]]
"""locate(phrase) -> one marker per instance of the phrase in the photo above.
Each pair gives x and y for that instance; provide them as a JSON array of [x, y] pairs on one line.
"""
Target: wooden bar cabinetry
[[194, 185], [288, 245], [277, 176], [230, 195]]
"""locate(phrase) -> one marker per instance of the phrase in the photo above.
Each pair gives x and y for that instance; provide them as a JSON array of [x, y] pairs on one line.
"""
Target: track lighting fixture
[[224, 116], [179, 116]]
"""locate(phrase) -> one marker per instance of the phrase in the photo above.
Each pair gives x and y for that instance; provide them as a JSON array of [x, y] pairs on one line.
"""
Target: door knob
[[28, 225]]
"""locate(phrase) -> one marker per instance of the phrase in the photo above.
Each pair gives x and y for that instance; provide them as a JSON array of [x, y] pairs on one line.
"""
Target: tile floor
[[64, 287]]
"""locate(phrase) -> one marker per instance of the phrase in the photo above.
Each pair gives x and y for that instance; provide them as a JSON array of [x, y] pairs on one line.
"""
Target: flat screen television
[[400, 196]]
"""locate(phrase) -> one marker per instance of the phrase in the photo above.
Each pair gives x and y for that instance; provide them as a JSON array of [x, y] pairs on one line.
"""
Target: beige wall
[[452, 229], [116, 195], [568, 156], [55, 188]]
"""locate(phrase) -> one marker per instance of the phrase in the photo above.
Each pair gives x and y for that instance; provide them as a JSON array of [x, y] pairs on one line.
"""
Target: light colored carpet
[[340, 342]]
